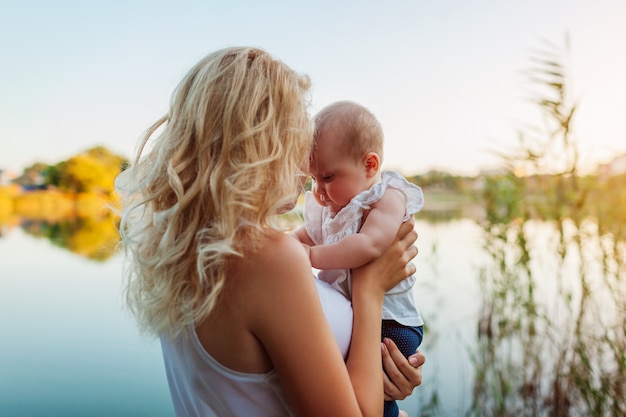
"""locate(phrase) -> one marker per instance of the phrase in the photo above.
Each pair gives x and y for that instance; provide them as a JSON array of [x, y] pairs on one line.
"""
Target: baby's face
[[337, 176]]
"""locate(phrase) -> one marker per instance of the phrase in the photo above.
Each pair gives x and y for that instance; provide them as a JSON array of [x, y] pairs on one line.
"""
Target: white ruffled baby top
[[325, 229]]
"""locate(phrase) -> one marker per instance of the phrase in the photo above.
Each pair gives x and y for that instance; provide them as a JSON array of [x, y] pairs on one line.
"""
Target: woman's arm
[[373, 239], [291, 326], [371, 279]]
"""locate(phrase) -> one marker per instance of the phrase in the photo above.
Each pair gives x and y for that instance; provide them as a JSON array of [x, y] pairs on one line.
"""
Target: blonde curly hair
[[226, 161]]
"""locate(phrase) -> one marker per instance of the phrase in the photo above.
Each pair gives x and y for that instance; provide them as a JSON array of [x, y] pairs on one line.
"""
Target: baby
[[354, 211]]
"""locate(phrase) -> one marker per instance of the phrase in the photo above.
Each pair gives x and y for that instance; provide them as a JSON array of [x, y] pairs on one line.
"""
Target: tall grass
[[561, 356]]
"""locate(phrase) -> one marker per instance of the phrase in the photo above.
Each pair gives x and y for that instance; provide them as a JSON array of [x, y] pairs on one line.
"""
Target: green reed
[[552, 330]]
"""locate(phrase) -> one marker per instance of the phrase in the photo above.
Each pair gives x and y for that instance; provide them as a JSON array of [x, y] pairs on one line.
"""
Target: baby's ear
[[372, 163]]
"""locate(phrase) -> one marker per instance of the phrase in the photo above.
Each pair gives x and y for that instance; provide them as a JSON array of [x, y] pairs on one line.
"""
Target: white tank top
[[201, 386]]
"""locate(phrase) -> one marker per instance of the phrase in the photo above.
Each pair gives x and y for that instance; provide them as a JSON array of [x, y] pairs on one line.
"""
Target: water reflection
[[93, 233], [552, 327], [94, 237]]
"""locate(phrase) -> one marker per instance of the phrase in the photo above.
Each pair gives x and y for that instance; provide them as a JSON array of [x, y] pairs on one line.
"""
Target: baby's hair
[[208, 178], [358, 129]]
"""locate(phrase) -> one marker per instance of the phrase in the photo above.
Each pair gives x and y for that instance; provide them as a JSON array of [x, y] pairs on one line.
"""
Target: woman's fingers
[[391, 374], [401, 377], [407, 233], [408, 238]]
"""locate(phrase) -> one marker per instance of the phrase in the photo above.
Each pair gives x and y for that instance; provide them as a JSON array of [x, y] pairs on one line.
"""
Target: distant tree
[[440, 180], [54, 173], [92, 171], [33, 176], [83, 173]]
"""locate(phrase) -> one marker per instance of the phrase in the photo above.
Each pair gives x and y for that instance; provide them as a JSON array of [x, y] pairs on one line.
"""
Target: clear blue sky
[[444, 77]]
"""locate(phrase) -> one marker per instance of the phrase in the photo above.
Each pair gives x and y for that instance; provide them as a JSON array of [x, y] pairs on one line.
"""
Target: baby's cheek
[[320, 199]]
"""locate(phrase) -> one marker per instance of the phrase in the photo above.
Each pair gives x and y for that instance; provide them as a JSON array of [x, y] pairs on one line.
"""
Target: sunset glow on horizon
[[446, 80]]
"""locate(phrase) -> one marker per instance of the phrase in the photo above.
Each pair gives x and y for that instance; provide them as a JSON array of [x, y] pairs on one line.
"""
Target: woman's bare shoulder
[[286, 251], [271, 277], [277, 255]]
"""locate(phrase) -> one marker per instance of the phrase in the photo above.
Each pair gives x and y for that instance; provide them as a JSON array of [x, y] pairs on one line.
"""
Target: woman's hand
[[402, 375]]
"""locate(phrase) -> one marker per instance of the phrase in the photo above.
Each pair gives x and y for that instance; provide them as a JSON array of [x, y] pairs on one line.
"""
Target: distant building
[[617, 166], [6, 177]]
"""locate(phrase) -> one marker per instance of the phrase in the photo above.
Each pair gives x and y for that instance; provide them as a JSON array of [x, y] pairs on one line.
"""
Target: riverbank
[[49, 205], [53, 205]]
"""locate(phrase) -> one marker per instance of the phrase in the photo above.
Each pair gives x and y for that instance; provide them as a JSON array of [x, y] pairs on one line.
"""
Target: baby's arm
[[375, 236]]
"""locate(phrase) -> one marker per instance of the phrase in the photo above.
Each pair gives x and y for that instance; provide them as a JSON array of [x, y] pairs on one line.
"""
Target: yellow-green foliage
[[49, 205], [81, 222], [91, 204], [96, 238], [6, 205], [92, 171], [6, 198], [52, 205], [75, 211]]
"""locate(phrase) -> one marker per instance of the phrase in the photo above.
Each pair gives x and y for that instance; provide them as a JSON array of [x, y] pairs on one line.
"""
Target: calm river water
[[504, 307]]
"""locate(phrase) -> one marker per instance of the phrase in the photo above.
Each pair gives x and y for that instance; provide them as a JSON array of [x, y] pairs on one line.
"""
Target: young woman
[[243, 324]]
